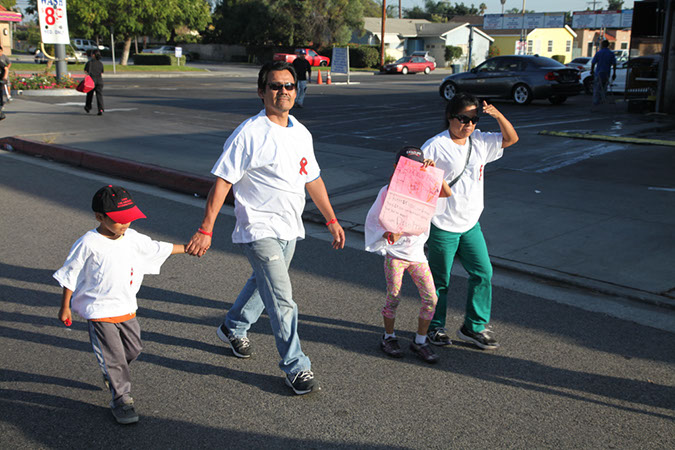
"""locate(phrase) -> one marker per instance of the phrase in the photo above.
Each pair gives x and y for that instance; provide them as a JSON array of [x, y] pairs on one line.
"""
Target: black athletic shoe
[[482, 340], [87, 110], [124, 413], [302, 382], [241, 347], [439, 337], [424, 352], [390, 347], [100, 113]]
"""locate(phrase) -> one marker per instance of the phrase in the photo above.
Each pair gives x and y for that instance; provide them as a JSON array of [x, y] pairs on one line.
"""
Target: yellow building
[[540, 41]]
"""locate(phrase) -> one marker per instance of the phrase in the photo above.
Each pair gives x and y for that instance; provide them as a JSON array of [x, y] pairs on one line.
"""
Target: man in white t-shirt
[[268, 162], [462, 152]]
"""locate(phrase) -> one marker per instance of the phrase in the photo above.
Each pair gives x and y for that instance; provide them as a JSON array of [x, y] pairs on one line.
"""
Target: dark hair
[[97, 54], [0, 47], [459, 103], [605, 44], [274, 66]]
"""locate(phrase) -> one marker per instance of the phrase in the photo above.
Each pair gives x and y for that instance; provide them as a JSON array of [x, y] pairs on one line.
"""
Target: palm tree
[[482, 7]]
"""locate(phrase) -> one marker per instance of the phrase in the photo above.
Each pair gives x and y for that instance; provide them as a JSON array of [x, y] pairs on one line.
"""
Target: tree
[[518, 11], [482, 8], [8, 4], [614, 5], [440, 11], [129, 18]]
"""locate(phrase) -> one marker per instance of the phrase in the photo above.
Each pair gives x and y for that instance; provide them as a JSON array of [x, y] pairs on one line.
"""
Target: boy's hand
[[338, 236], [65, 316], [392, 237], [427, 163]]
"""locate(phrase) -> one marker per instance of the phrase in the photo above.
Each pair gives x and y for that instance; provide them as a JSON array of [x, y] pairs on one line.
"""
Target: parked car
[[423, 54], [410, 64], [313, 57], [521, 78], [72, 56], [581, 64], [616, 86], [85, 45], [166, 50]]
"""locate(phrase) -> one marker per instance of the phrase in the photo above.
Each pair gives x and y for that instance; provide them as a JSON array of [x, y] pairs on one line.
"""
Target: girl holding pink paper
[[403, 252]]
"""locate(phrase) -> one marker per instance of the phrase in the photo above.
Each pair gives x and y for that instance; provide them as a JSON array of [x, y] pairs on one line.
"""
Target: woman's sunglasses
[[466, 119], [278, 86]]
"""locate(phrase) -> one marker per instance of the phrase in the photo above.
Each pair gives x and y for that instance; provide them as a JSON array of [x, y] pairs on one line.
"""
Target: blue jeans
[[269, 288], [600, 83]]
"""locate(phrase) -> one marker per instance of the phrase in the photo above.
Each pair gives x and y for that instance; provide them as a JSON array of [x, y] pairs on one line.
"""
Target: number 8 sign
[[53, 21]]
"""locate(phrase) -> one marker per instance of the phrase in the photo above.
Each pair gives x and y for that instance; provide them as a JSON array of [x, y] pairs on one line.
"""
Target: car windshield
[[403, 60], [541, 61], [580, 60]]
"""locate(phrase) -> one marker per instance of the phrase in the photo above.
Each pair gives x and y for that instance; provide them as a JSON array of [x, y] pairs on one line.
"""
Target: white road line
[[560, 122], [661, 189]]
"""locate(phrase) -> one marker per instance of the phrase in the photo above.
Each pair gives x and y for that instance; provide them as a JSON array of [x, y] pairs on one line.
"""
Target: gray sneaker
[[439, 337], [391, 347], [124, 413]]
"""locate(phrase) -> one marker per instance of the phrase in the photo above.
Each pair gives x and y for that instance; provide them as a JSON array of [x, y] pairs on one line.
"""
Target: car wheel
[[448, 90], [557, 99], [427, 70], [522, 94], [323, 64], [588, 85], [404, 71]]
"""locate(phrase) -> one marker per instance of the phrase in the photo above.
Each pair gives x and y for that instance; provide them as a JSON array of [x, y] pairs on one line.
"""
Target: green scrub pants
[[472, 252]]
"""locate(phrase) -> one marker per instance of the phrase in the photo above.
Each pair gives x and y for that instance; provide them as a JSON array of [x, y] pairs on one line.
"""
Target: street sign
[[520, 21], [178, 52], [53, 21], [602, 19], [340, 60]]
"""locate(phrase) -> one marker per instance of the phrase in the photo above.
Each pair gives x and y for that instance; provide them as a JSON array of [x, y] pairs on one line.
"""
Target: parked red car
[[313, 57], [410, 64]]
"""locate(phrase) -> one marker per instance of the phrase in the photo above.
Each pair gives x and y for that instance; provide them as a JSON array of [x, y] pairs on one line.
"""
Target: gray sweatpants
[[115, 346]]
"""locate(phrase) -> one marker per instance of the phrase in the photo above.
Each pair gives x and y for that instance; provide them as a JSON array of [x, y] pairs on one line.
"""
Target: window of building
[[568, 46], [624, 45], [550, 46], [529, 47]]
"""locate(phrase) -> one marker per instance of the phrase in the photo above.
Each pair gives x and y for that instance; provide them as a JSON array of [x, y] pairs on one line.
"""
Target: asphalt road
[[565, 377]]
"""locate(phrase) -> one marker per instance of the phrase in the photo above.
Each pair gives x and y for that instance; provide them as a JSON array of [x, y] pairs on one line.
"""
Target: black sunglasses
[[466, 119], [278, 86]]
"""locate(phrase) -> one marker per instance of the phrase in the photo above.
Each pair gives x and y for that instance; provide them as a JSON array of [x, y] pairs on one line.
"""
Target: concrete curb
[[198, 185], [601, 137], [46, 93]]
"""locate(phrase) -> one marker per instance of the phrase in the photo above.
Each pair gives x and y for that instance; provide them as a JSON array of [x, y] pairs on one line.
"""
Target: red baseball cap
[[116, 203]]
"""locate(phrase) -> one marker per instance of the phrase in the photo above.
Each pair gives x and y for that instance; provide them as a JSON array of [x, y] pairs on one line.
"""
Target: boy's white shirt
[[268, 166], [106, 274], [409, 248], [460, 212]]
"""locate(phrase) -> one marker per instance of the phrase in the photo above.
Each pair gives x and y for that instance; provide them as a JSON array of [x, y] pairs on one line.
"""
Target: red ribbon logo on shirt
[[303, 164]]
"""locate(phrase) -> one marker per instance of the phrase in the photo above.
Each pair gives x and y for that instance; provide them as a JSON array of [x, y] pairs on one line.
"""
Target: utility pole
[[593, 2], [468, 63], [523, 44], [503, 1], [665, 91], [384, 18], [61, 63], [400, 10]]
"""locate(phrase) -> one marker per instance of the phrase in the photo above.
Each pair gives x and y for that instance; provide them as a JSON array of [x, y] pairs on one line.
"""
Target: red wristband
[[210, 234], [331, 222]]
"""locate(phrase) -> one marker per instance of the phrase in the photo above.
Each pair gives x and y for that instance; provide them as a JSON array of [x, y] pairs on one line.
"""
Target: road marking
[[661, 189], [567, 158], [69, 104], [561, 122], [120, 109]]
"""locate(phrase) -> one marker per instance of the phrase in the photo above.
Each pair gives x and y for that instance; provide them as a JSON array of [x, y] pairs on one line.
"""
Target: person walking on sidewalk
[[303, 69], [101, 278], [94, 68], [462, 152], [5, 64], [401, 254], [268, 162], [601, 66]]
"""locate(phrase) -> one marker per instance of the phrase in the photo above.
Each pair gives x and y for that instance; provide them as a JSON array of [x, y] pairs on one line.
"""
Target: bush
[[157, 60], [452, 53], [493, 51], [40, 81], [559, 58], [364, 56]]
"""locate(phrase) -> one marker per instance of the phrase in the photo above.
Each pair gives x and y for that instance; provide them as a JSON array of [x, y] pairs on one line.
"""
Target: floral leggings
[[421, 275]]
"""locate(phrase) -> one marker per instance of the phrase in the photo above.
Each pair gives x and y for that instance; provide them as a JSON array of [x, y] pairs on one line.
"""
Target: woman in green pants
[[462, 152]]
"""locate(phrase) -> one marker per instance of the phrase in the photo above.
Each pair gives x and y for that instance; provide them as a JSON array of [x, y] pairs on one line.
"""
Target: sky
[[495, 6]]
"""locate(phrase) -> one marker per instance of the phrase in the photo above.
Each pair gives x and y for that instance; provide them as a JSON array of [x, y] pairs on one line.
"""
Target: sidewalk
[[615, 237]]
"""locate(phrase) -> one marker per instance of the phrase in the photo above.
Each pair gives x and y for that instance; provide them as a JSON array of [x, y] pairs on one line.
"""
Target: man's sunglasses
[[278, 86], [466, 119]]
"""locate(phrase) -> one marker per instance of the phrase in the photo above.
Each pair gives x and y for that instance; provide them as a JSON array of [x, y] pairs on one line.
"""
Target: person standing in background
[[5, 64], [303, 69], [601, 66], [94, 68]]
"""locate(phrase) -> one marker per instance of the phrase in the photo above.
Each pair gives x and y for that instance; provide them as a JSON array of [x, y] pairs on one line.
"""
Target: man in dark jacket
[[304, 71]]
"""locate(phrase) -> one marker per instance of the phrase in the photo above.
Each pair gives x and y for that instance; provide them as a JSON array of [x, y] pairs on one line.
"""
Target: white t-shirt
[[460, 212], [409, 248], [268, 166], [106, 274]]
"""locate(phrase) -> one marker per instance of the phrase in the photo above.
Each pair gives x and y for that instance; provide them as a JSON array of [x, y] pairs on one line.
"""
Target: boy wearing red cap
[[101, 278]]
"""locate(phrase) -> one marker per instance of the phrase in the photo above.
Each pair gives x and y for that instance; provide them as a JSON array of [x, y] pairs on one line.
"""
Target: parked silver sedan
[[521, 78]]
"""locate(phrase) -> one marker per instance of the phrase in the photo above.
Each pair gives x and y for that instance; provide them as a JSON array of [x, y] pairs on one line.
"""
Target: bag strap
[[468, 155]]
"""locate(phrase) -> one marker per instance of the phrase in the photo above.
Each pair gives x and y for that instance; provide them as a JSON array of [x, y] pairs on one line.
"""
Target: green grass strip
[[602, 137], [40, 68]]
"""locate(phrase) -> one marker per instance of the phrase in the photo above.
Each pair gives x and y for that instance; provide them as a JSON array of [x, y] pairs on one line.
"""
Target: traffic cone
[[318, 79], [328, 80]]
